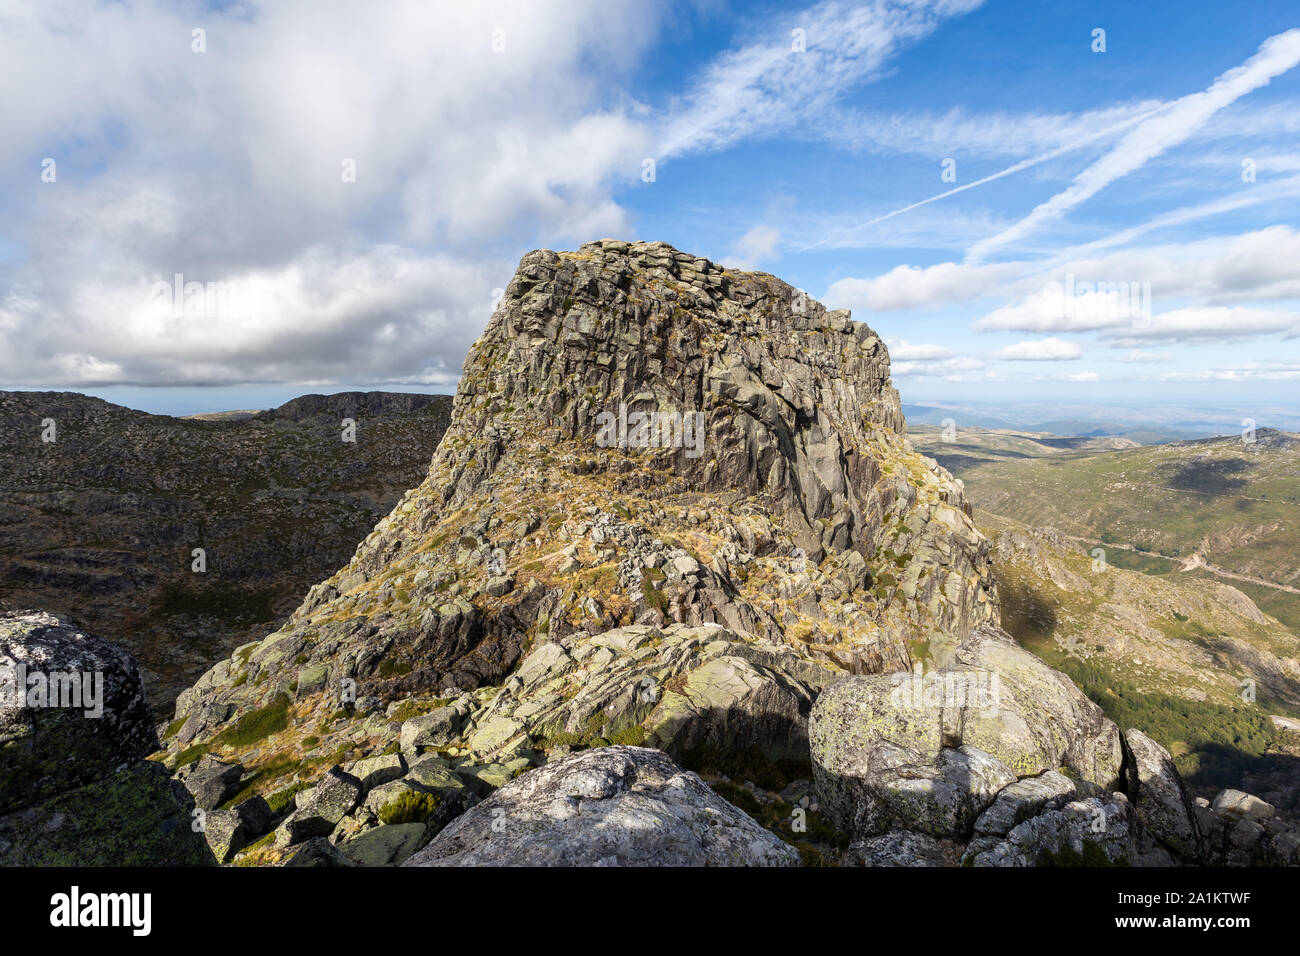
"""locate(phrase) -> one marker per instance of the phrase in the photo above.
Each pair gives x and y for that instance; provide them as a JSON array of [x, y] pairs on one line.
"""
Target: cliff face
[[788, 504]]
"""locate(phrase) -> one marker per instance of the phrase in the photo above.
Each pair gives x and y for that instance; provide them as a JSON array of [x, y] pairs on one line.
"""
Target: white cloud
[[755, 246], [952, 369], [766, 85], [1040, 350], [909, 287], [1214, 322], [900, 350], [226, 166]]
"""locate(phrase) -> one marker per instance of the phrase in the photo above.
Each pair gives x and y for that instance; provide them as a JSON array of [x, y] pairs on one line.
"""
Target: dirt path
[[1197, 560]]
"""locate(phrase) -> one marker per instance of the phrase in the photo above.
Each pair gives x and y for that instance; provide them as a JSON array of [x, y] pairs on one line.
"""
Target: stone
[[320, 809], [609, 806], [373, 771], [1094, 831], [886, 747], [317, 852], [434, 729], [210, 782], [903, 848], [1023, 799], [1236, 805], [229, 831], [1162, 802], [385, 845], [58, 729]]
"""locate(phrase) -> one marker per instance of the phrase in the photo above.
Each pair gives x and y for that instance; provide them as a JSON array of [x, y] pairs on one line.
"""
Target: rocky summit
[[676, 589]]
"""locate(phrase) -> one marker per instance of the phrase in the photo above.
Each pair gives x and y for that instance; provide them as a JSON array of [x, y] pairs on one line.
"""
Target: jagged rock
[[385, 846], [1023, 799], [682, 689], [434, 729], [72, 708], [805, 434], [1162, 802], [317, 852], [210, 781], [229, 831], [373, 771], [1096, 831], [321, 808], [611, 806]]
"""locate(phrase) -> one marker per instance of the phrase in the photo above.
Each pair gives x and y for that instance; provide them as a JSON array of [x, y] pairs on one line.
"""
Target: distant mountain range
[[1145, 425]]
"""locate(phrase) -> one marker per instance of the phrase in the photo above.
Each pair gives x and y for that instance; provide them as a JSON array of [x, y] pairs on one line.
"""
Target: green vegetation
[[1092, 855], [1213, 745], [411, 807], [258, 724], [651, 578]]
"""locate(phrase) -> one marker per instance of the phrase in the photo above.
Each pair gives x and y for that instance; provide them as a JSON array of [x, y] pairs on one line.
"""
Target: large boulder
[[931, 752], [611, 806], [72, 708], [1162, 802]]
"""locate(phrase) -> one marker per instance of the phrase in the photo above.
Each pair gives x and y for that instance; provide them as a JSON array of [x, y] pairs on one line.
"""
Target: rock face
[[612, 806], [932, 752], [996, 760], [474, 686], [681, 689], [72, 708], [100, 521], [74, 725]]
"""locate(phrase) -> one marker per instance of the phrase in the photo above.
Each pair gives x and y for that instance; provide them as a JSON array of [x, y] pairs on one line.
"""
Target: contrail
[[1023, 164]]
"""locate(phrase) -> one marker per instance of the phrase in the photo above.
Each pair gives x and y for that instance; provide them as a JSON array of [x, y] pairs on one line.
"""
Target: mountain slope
[[100, 523]]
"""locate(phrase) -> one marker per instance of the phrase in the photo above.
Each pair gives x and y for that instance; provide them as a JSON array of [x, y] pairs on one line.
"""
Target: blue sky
[[480, 132]]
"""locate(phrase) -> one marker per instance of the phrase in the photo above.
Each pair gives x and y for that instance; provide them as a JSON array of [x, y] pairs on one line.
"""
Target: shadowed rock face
[[72, 708]]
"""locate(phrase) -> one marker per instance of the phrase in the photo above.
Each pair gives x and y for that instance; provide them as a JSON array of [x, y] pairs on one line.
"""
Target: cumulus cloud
[[233, 167], [952, 369], [369, 204], [901, 350], [755, 246], [1214, 322]]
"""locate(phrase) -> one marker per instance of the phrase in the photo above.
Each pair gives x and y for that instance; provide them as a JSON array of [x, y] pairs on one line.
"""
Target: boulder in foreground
[[611, 806]]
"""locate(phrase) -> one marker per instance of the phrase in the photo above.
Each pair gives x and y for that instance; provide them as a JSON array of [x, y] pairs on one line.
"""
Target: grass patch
[[411, 807], [259, 724]]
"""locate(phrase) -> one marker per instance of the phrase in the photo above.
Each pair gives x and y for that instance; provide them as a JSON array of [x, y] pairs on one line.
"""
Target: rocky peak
[[775, 502]]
